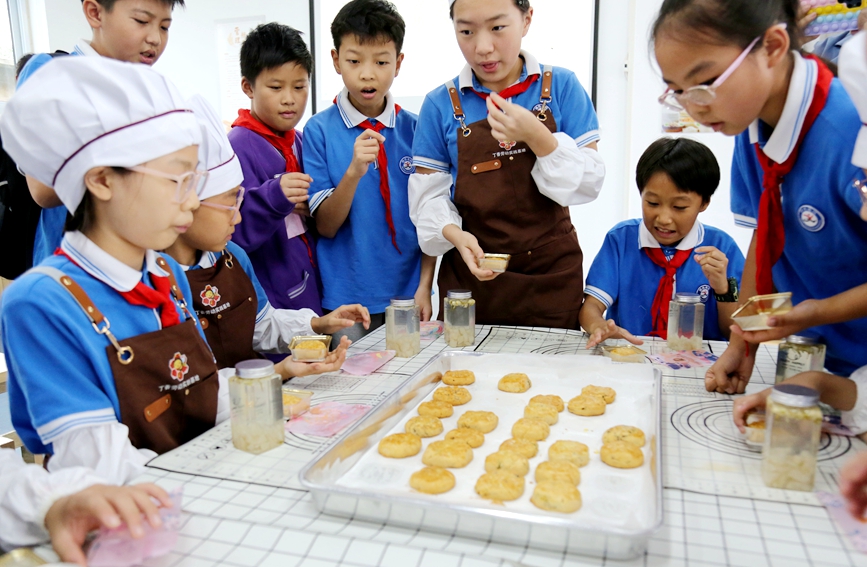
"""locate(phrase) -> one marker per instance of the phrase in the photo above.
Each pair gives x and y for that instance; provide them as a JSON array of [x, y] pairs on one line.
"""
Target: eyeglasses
[[703, 95], [189, 182], [236, 208]]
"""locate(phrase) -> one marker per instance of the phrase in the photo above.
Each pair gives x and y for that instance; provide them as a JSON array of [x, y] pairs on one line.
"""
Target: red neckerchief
[[158, 298], [659, 310], [382, 164], [283, 144], [514, 90], [770, 232]]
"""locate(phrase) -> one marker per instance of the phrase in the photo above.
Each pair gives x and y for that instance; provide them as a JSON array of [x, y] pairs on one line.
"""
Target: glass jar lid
[[403, 302], [687, 298], [460, 294], [257, 368], [799, 340], [795, 396]]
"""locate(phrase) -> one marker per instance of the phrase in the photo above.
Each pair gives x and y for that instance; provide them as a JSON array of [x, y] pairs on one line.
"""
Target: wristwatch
[[732, 295]]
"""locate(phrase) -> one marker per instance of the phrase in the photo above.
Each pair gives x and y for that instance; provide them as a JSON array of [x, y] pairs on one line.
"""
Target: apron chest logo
[[210, 296], [406, 165], [178, 366], [507, 144]]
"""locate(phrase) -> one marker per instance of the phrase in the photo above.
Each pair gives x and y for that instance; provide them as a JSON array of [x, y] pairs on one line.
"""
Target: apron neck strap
[[176, 291]]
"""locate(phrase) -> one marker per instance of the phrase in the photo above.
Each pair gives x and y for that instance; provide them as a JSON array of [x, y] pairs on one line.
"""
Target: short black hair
[[272, 45], [369, 20], [21, 63], [523, 5], [690, 165], [109, 4]]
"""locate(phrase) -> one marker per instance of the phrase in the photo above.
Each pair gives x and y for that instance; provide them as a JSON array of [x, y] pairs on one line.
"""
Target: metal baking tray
[[326, 477]]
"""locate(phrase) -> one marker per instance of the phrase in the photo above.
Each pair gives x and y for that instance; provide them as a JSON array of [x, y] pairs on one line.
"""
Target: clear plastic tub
[[295, 402], [754, 314], [311, 348], [497, 263]]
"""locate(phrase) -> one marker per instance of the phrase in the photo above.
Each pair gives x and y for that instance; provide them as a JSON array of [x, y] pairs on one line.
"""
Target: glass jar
[[799, 354], [256, 406], [793, 427], [685, 322], [403, 327], [459, 318]]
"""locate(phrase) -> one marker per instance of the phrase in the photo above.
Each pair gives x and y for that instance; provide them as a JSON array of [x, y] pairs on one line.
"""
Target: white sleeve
[[569, 175], [276, 327], [26, 494], [856, 418], [103, 448], [223, 404], [431, 209]]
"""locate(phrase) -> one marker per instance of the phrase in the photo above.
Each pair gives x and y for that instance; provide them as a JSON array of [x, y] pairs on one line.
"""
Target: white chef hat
[[215, 152], [77, 113], [852, 66]]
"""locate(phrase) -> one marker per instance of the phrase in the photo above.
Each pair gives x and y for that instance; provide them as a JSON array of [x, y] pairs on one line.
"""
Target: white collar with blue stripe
[[692, 239], [83, 48], [208, 260], [105, 267], [467, 79], [352, 117], [783, 139]]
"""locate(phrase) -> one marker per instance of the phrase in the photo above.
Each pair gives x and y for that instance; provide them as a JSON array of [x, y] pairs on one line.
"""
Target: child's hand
[[713, 264], [512, 122], [71, 518], [295, 186], [341, 318], [853, 484], [803, 316], [469, 249], [288, 368], [365, 151], [743, 405], [422, 299], [609, 330], [731, 373]]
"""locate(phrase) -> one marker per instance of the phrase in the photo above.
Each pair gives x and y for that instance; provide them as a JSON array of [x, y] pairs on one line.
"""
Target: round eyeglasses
[[236, 208], [189, 182]]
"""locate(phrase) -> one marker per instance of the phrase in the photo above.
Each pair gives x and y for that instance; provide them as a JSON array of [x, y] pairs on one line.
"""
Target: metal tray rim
[[504, 514]]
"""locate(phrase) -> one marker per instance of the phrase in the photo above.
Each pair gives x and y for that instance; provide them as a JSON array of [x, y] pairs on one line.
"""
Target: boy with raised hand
[[276, 67], [644, 262], [136, 31], [359, 153]]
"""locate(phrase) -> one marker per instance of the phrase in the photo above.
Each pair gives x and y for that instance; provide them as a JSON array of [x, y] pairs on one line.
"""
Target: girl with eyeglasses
[[108, 367], [734, 66], [232, 307]]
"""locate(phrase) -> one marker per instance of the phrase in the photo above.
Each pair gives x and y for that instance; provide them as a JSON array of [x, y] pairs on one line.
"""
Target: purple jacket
[[282, 264]]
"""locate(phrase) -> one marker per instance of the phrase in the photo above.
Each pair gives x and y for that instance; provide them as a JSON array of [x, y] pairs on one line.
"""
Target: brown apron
[[502, 207], [166, 380], [226, 303]]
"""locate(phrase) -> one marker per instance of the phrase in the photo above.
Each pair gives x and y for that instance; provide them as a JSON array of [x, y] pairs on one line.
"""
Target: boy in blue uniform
[[136, 31], [221, 276], [644, 262], [369, 250]]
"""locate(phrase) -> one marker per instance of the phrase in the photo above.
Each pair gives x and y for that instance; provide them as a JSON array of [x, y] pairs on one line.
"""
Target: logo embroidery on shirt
[[210, 296], [406, 165], [179, 367], [703, 292], [538, 107], [811, 218], [507, 144]]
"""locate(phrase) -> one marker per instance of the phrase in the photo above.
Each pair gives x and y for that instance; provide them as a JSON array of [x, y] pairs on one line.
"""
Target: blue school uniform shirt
[[825, 237], [625, 279], [49, 230], [59, 373], [360, 264], [436, 141]]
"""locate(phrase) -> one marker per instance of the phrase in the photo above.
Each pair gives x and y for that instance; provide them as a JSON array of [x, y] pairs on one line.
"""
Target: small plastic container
[[295, 402], [685, 322], [754, 436], [626, 353], [792, 433], [799, 354], [460, 318], [402, 327], [256, 406], [754, 314], [497, 263], [311, 348]]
